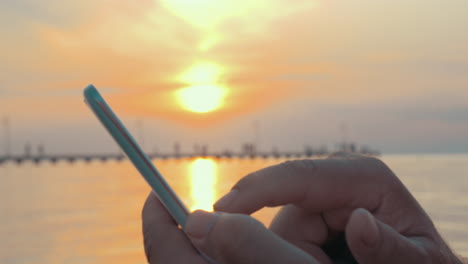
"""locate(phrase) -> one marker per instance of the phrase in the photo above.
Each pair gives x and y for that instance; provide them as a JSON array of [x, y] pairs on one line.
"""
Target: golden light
[[203, 94], [203, 174], [205, 14], [208, 15], [201, 98], [202, 73]]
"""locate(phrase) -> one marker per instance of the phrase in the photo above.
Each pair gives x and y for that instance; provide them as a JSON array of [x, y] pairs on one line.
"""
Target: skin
[[343, 209]]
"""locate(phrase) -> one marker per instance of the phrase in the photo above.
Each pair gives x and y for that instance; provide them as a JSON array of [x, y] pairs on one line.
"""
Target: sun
[[203, 93], [201, 98]]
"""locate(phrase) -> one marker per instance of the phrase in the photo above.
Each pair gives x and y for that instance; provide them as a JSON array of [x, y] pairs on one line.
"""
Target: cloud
[[141, 51]]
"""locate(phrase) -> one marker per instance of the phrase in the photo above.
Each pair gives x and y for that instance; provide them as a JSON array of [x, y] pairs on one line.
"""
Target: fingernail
[[200, 223], [372, 236], [226, 200]]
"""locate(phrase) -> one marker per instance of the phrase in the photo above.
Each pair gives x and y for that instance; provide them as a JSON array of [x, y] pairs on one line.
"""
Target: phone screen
[[136, 155]]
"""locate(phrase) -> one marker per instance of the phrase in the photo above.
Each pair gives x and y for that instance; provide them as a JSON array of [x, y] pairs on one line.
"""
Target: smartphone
[[136, 155]]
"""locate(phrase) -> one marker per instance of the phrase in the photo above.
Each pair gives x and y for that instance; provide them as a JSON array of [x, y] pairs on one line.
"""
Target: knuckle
[[297, 168], [375, 161], [290, 167], [375, 166]]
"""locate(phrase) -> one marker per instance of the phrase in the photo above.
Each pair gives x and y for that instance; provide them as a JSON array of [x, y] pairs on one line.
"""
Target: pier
[[120, 157], [249, 150]]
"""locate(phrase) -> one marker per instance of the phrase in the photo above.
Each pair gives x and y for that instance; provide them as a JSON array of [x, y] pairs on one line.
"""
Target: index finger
[[316, 185]]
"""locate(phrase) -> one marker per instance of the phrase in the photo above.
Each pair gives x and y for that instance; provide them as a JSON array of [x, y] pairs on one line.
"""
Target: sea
[[91, 212]]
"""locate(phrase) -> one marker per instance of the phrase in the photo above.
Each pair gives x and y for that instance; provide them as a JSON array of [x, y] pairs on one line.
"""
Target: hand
[[227, 238], [353, 195]]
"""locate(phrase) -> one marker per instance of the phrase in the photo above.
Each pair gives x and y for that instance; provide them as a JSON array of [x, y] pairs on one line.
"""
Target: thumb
[[236, 238], [372, 241]]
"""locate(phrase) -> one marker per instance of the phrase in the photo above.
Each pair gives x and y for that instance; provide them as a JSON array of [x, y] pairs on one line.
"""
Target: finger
[[235, 239], [316, 185], [164, 241], [372, 241], [302, 229]]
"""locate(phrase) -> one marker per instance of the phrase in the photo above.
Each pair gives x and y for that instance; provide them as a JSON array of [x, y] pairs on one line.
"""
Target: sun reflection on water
[[203, 179]]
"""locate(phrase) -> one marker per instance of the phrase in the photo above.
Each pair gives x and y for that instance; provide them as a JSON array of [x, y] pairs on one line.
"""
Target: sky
[[392, 75]]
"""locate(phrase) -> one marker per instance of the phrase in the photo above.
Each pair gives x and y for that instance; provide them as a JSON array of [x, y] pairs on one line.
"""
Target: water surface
[[90, 212]]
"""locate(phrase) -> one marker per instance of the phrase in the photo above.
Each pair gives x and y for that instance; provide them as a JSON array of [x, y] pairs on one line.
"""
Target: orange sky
[[324, 61]]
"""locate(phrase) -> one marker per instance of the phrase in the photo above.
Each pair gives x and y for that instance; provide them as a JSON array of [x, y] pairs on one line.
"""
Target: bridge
[[72, 158]]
